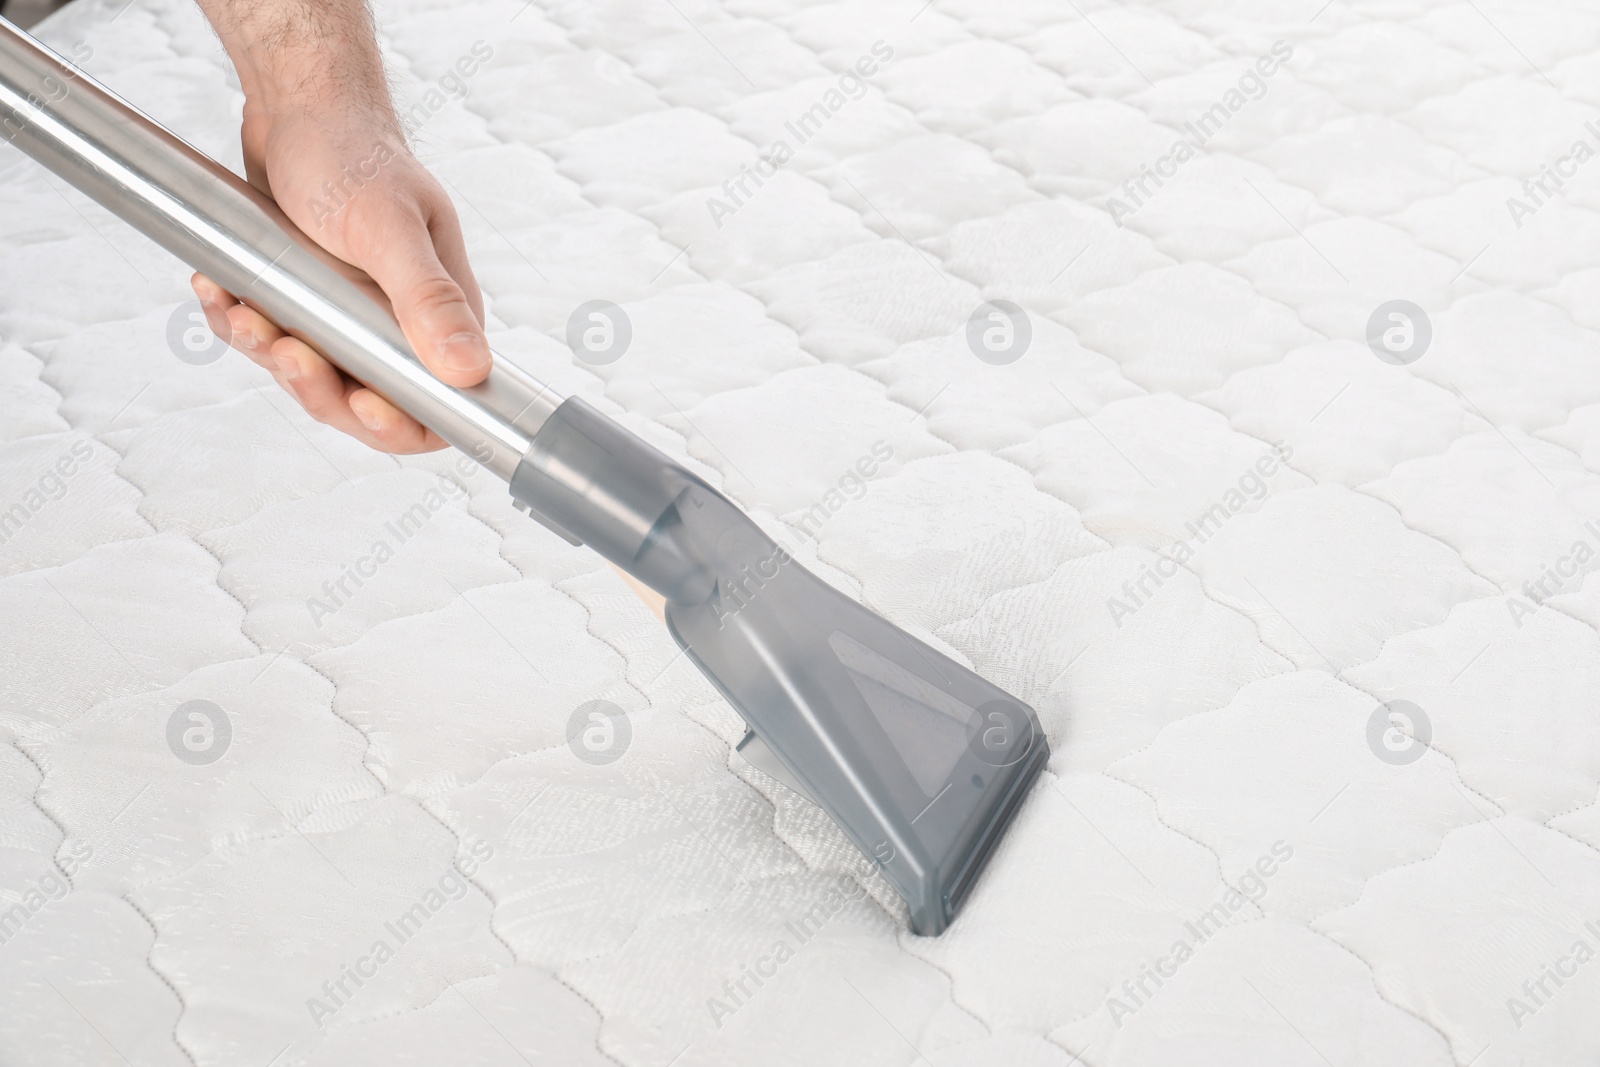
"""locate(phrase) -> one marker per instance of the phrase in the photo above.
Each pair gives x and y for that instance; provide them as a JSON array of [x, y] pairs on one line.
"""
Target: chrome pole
[[216, 222], [845, 700]]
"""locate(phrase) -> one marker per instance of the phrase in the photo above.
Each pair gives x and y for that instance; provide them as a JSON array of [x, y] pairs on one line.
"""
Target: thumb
[[432, 308]]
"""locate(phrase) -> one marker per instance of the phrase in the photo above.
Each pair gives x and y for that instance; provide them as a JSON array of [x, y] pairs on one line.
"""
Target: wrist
[[319, 57], [323, 82], [271, 101]]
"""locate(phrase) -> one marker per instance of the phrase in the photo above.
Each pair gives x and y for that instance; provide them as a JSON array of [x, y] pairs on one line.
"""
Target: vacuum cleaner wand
[[919, 760]]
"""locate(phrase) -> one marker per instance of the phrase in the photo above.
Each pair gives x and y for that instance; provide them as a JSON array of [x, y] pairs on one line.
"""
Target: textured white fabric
[[1210, 732]]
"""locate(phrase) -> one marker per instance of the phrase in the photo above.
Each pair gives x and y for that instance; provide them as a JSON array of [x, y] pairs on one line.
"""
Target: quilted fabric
[[1199, 524]]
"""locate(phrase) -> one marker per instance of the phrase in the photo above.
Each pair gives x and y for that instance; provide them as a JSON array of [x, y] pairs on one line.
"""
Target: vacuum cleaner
[[922, 763]]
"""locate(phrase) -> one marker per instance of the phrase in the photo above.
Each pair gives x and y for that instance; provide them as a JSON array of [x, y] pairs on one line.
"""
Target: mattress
[[1218, 378]]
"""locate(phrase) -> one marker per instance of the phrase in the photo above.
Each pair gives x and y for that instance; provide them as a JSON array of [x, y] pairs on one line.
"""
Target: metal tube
[[894, 739], [219, 224]]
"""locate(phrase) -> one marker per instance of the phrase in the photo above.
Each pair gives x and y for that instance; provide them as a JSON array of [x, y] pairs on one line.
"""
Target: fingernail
[[464, 352], [243, 339], [368, 419], [287, 366]]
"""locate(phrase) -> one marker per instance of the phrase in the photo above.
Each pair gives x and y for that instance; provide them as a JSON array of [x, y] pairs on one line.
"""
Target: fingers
[[445, 228], [388, 427], [343, 403], [327, 395], [214, 303], [310, 379], [413, 248], [209, 292], [245, 329], [252, 333], [438, 317]]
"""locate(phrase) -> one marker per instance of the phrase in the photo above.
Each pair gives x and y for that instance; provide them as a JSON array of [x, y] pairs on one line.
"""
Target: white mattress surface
[[1227, 862]]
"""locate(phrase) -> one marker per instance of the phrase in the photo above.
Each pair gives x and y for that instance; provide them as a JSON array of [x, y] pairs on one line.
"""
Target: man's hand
[[322, 139]]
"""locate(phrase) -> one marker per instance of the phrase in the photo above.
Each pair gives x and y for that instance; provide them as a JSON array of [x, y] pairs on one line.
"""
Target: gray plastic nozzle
[[920, 761]]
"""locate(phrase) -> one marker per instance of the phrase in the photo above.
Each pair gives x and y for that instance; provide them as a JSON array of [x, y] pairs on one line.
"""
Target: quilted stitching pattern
[[413, 740]]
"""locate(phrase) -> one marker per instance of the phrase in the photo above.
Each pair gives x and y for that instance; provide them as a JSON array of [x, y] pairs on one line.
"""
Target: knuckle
[[440, 208], [218, 325], [317, 404], [434, 293]]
